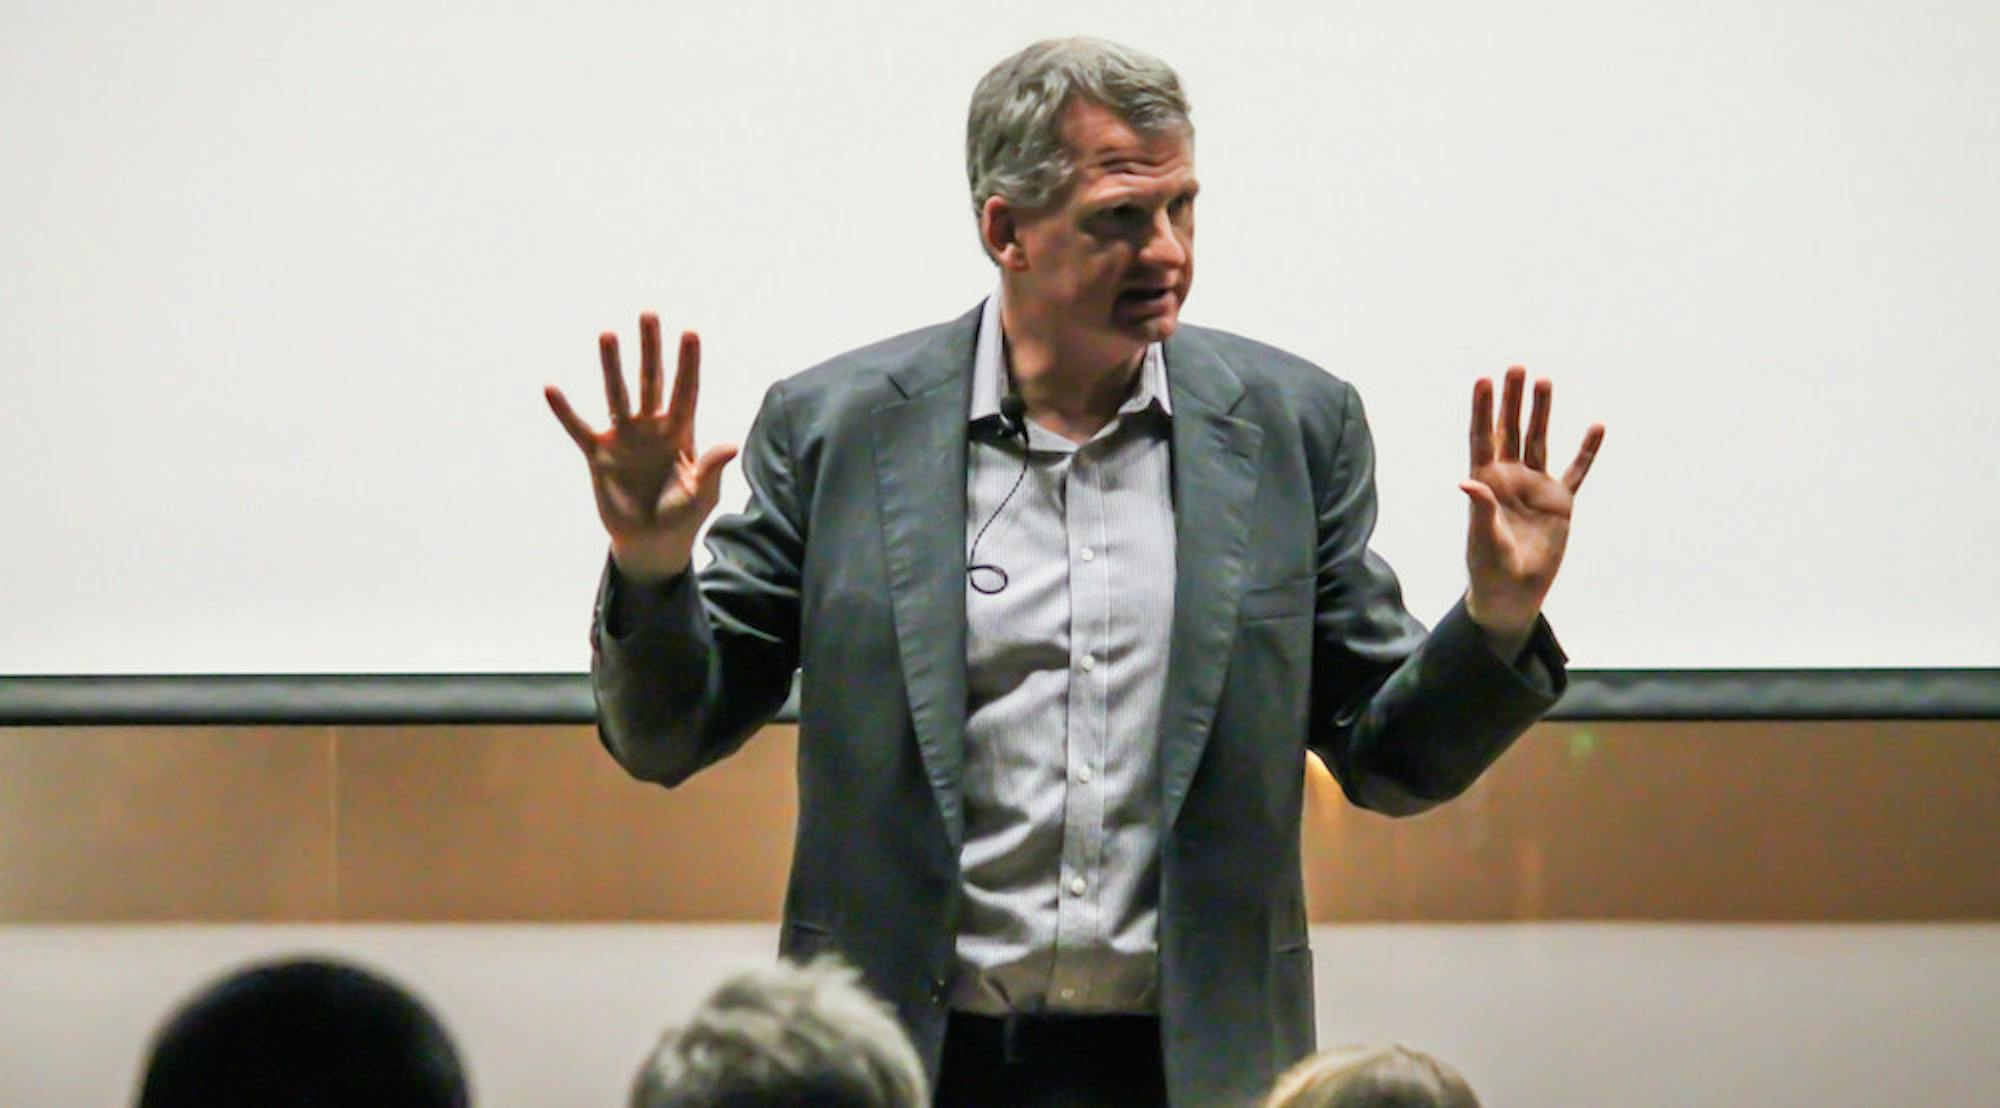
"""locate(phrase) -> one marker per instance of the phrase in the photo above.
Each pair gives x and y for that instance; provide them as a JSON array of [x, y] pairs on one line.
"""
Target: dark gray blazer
[[1288, 634]]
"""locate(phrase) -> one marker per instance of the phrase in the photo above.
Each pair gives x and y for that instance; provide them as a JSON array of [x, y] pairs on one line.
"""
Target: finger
[[1510, 414], [1585, 454], [1482, 423], [687, 390], [579, 431], [1535, 454], [614, 380], [650, 372]]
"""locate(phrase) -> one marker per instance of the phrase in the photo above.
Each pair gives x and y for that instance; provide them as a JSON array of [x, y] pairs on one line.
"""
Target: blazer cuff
[[628, 608], [1542, 662], [1540, 670]]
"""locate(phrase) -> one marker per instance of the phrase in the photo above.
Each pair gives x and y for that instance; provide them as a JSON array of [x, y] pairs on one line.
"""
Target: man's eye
[[1124, 220]]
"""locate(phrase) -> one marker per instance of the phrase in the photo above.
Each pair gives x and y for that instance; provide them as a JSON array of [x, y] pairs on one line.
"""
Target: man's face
[[1109, 264]]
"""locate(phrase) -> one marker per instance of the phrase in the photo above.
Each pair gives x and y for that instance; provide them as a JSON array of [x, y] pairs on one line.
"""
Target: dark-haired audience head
[[786, 1036], [303, 1032], [1372, 1077]]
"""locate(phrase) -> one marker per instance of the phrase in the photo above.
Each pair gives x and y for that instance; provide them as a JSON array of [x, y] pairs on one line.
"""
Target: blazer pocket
[[799, 941], [1292, 1005], [1286, 598]]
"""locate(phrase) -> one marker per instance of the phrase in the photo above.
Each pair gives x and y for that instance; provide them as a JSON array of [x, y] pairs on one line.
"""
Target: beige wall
[[1537, 1015], [1771, 822]]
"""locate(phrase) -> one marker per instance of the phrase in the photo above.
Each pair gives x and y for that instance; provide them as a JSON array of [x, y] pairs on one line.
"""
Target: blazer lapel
[[1215, 482], [920, 451]]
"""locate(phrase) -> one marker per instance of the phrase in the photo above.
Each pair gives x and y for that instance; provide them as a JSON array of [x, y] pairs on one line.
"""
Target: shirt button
[[1084, 775], [1087, 554], [1077, 885], [1089, 663]]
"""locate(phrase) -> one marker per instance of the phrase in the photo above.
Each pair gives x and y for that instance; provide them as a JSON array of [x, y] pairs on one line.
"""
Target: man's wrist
[[1508, 638], [650, 567]]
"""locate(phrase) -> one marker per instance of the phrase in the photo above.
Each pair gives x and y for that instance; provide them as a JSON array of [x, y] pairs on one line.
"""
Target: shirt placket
[[1079, 913]]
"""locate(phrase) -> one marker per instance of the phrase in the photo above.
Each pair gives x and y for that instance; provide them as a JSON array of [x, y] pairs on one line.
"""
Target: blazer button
[[937, 990]]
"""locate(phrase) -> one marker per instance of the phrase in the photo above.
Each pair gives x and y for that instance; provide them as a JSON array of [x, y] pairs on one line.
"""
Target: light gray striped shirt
[[1066, 667]]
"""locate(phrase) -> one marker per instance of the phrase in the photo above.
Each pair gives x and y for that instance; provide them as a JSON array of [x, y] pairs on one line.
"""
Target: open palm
[[1520, 514], [653, 491]]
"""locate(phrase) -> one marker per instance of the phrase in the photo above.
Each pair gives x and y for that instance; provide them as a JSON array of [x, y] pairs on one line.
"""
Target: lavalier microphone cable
[[985, 577]]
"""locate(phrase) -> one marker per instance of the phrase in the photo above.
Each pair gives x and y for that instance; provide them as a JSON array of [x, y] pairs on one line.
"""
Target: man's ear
[[1000, 230]]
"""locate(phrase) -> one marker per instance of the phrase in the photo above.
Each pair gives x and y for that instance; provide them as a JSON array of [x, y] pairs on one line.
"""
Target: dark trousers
[[1052, 1062]]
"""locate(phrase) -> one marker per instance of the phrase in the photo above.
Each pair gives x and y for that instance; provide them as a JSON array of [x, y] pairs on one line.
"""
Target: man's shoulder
[[911, 355], [1276, 375]]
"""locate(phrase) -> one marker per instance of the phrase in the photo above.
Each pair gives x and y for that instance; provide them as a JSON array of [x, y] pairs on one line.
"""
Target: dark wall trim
[[1781, 694], [345, 698], [1605, 694]]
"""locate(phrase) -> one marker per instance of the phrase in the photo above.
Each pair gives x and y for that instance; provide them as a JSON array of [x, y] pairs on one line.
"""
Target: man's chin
[[1156, 324]]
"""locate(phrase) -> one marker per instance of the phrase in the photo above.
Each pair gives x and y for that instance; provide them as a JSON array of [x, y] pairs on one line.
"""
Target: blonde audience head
[[782, 1036], [1371, 1077]]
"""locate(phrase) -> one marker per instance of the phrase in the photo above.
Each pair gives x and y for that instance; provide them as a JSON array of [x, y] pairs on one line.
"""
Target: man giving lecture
[[1071, 589]]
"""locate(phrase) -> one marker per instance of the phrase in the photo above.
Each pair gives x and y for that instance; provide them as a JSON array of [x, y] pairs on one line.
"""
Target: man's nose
[[1163, 246]]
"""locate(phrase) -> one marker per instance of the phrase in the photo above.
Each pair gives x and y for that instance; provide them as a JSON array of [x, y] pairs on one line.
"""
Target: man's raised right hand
[[653, 492]]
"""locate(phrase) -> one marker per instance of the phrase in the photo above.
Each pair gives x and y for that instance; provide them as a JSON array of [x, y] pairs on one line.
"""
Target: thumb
[[1485, 506], [695, 488], [708, 471]]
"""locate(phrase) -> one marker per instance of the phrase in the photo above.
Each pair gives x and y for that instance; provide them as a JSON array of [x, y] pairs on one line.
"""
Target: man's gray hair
[[783, 1036], [1013, 133]]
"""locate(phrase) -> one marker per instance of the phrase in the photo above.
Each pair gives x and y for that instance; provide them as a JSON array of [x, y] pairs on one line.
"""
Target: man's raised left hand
[[1520, 512]]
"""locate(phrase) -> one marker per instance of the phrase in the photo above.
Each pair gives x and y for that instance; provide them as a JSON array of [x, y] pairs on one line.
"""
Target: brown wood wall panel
[[175, 823], [1849, 821], [505, 823], [1837, 821]]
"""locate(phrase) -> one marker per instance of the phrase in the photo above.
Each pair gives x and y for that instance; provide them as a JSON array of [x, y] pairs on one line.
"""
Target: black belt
[[1038, 1038]]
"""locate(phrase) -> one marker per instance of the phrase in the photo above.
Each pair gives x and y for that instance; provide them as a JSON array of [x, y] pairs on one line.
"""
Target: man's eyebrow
[[1112, 205], [1142, 195]]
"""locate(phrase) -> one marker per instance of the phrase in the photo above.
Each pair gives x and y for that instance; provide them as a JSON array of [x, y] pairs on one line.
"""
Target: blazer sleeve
[[685, 672], [1404, 720]]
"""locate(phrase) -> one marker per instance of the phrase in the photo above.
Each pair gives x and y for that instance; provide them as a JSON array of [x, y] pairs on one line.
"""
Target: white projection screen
[[282, 284]]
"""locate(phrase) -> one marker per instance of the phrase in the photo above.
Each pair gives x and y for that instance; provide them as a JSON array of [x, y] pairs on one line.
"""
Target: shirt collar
[[989, 371]]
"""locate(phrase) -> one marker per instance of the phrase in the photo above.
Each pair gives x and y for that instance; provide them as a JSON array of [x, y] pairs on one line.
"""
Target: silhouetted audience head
[[1372, 1077], [785, 1036], [303, 1032]]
